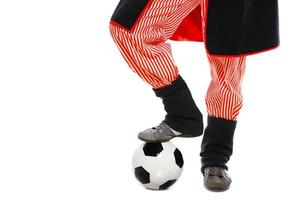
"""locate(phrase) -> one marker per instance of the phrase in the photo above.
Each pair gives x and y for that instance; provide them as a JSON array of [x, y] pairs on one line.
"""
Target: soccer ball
[[157, 165]]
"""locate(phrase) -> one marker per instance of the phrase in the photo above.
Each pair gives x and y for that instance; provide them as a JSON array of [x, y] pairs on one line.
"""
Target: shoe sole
[[166, 140], [217, 189]]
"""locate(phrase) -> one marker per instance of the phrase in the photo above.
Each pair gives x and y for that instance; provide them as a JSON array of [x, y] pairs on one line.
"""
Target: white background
[[70, 110]]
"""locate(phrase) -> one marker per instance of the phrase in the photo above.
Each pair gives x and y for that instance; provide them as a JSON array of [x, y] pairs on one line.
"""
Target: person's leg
[[140, 29], [224, 101]]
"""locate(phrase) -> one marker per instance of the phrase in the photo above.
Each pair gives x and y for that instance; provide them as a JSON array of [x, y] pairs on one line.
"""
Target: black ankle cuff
[[183, 114], [217, 142], [221, 126], [169, 89]]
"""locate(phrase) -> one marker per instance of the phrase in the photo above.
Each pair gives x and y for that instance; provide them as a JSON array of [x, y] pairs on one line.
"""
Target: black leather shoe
[[216, 179]]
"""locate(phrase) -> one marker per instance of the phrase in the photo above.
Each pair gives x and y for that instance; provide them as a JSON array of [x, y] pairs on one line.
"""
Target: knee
[[121, 35]]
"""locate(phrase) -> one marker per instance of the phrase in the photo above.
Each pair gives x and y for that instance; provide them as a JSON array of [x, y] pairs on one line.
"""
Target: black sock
[[217, 142], [182, 113]]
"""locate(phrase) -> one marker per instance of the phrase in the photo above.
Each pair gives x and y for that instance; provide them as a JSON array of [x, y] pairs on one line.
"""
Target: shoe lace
[[215, 171], [160, 127]]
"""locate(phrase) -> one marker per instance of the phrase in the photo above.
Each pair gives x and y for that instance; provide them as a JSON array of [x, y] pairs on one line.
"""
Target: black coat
[[241, 26], [234, 27]]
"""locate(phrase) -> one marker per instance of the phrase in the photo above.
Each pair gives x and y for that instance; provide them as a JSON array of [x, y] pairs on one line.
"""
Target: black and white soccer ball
[[157, 165]]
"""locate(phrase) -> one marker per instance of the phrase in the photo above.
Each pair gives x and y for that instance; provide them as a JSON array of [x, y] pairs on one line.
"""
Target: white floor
[[70, 109]]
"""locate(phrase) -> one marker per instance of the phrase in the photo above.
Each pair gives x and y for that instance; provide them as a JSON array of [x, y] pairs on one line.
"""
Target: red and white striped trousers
[[147, 53]]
